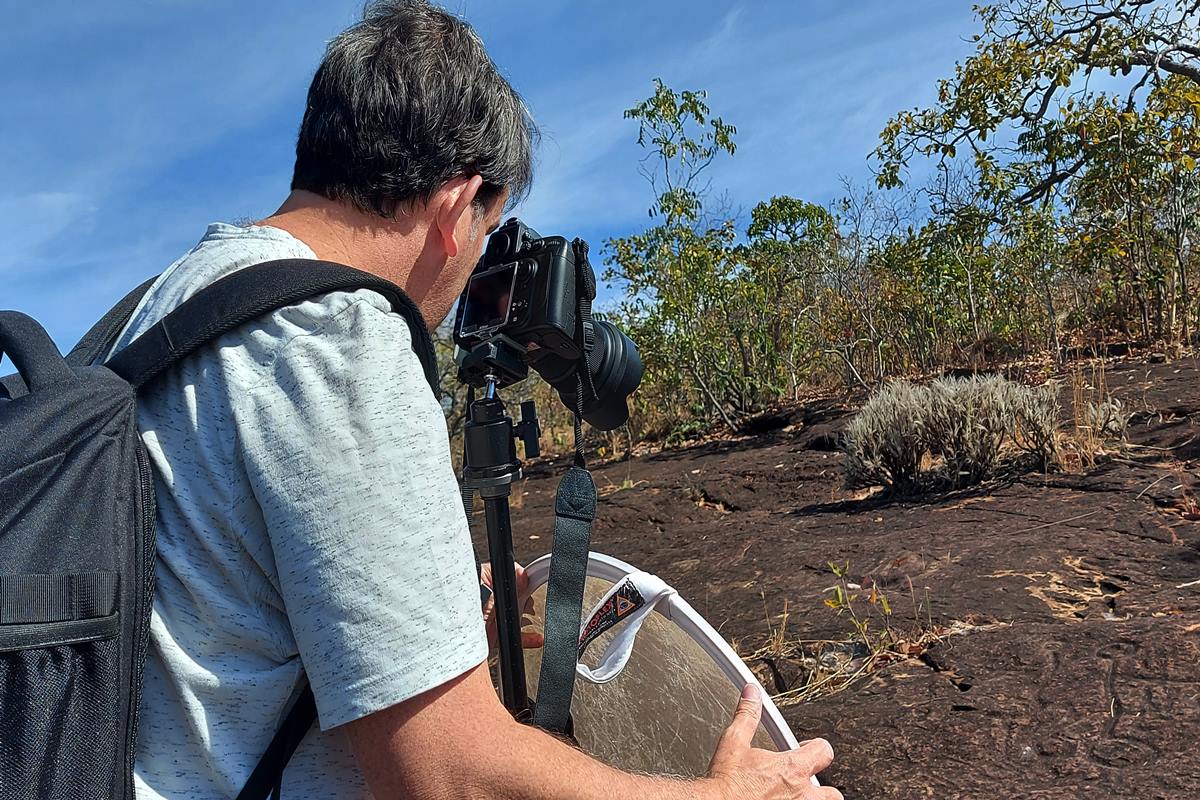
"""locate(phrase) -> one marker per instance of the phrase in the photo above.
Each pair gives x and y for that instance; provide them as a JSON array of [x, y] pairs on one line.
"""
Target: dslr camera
[[528, 303]]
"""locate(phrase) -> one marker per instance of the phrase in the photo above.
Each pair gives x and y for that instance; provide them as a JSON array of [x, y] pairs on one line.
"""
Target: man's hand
[[743, 771], [524, 599]]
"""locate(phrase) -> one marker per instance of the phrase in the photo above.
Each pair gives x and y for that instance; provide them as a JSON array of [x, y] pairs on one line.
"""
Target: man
[[309, 523]]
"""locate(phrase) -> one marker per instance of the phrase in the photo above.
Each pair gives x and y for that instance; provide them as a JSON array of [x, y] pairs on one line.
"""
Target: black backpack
[[77, 519]]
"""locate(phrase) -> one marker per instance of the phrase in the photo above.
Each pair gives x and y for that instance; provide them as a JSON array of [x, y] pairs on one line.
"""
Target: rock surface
[[1077, 669]]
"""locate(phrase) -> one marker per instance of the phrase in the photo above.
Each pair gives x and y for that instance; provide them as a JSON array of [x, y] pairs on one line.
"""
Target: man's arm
[[458, 741], [346, 453]]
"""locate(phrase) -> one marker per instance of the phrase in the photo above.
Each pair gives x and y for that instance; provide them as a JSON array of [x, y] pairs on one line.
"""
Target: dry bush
[[960, 428], [968, 422], [886, 440], [1037, 421]]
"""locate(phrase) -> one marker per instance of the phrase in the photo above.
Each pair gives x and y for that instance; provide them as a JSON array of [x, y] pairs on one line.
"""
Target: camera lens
[[616, 369]]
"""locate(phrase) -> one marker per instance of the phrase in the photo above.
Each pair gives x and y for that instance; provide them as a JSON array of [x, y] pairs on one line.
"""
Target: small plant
[[820, 668], [1108, 418], [842, 601], [1100, 420]]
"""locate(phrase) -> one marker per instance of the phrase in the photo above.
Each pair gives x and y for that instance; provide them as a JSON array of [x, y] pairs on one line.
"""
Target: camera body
[[528, 303], [525, 291]]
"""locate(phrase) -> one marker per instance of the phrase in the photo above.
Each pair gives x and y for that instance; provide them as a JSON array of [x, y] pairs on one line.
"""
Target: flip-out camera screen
[[488, 297]]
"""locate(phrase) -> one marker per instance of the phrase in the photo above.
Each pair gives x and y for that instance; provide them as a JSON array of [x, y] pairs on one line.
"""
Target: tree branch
[[1156, 61]]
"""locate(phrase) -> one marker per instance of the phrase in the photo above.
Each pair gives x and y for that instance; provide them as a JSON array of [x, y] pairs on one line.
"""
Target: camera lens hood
[[616, 368]]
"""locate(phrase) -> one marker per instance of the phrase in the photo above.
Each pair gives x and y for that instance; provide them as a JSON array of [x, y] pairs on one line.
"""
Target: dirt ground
[[1077, 671]]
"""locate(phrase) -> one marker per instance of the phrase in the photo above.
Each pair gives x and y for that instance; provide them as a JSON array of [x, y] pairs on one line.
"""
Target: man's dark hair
[[404, 101]]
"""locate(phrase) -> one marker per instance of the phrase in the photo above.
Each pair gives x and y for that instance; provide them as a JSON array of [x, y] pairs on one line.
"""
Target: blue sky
[[127, 125]]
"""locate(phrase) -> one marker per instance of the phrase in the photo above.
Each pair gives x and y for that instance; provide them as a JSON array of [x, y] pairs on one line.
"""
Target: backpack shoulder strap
[[248, 294], [266, 780]]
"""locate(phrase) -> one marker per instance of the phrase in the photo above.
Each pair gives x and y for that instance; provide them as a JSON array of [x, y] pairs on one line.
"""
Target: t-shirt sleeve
[[347, 454]]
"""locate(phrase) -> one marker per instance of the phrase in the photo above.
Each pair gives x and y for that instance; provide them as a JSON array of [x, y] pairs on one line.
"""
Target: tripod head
[[497, 362], [490, 463]]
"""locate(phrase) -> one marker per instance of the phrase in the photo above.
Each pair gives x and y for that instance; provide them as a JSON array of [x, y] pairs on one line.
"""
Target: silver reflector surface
[[667, 708]]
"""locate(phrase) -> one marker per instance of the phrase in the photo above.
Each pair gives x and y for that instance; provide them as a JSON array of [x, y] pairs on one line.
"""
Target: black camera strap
[[574, 514]]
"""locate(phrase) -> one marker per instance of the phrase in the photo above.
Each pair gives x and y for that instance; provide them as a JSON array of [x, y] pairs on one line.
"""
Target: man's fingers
[[829, 793], [532, 639], [524, 596], [745, 718], [485, 576], [812, 756]]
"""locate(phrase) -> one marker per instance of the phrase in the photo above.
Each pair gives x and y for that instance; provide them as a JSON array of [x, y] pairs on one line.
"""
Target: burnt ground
[[1077, 673]]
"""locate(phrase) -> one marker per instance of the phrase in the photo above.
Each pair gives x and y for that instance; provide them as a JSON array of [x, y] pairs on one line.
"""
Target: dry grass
[[1098, 422], [802, 670]]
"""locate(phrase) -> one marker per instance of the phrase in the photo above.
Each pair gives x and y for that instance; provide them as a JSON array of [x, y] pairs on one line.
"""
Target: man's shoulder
[[223, 250], [336, 317], [337, 329], [343, 312]]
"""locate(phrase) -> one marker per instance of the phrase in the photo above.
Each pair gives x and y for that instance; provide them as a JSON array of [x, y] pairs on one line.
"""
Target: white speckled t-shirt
[[308, 522]]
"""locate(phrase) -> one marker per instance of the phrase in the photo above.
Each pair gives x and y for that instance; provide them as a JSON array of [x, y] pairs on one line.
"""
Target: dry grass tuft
[[955, 432], [802, 670], [886, 440], [1099, 421]]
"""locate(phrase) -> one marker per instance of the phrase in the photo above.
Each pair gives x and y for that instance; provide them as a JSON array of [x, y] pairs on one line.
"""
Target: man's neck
[[337, 232]]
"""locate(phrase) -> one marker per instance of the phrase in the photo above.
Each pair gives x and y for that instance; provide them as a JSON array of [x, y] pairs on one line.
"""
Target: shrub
[[954, 431], [1037, 418], [968, 421], [886, 440]]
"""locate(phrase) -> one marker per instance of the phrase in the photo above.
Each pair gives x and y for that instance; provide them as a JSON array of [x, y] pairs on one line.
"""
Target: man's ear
[[452, 207]]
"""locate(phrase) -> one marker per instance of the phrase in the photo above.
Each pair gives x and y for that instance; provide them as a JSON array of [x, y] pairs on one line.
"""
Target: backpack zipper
[[147, 511]]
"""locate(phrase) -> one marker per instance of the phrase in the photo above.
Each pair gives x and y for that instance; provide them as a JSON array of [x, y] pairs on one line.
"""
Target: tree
[[681, 138], [790, 242], [676, 274], [1113, 165], [1014, 106]]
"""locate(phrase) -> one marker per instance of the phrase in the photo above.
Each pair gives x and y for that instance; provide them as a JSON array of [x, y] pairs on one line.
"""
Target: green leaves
[[1030, 70], [786, 219], [1058, 215], [682, 138]]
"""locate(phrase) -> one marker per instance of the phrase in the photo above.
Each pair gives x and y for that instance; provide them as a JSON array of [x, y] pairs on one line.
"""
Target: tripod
[[490, 466]]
